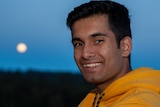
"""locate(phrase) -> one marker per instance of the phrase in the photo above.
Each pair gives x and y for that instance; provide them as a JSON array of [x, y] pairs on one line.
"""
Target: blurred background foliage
[[42, 89]]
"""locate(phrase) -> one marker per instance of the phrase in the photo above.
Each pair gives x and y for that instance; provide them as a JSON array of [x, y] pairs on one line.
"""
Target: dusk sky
[[41, 25]]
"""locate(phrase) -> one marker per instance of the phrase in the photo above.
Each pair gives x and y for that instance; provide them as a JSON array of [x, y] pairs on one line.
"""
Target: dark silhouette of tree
[[41, 89]]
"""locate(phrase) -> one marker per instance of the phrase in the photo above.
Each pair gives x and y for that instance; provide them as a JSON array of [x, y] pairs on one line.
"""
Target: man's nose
[[88, 52]]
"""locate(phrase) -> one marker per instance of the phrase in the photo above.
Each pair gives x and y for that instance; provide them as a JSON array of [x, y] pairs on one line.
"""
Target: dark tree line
[[42, 89]]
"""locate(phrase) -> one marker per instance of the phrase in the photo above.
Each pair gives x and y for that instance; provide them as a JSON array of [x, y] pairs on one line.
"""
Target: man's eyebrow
[[92, 35], [97, 34], [75, 39]]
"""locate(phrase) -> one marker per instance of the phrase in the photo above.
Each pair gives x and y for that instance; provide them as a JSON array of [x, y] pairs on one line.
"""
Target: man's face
[[95, 50]]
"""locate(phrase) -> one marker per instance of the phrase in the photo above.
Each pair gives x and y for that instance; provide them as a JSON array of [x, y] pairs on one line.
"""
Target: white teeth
[[92, 65]]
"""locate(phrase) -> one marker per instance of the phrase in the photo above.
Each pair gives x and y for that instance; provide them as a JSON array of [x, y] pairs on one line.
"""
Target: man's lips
[[91, 65]]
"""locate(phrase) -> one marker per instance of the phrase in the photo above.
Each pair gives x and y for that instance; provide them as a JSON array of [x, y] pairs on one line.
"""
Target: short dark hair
[[119, 20]]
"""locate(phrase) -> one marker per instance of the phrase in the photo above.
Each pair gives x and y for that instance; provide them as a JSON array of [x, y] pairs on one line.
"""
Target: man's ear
[[126, 46]]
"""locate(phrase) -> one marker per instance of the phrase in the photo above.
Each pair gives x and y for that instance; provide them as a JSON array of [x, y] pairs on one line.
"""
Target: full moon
[[21, 47]]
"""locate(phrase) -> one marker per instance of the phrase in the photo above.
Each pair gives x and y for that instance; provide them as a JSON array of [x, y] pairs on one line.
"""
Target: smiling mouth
[[91, 65]]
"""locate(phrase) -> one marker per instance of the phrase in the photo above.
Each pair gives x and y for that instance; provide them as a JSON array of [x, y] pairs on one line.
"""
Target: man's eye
[[99, 41], [78, 44]]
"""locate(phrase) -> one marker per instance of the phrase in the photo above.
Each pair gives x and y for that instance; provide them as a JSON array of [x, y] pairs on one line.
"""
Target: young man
[[101, 37]]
